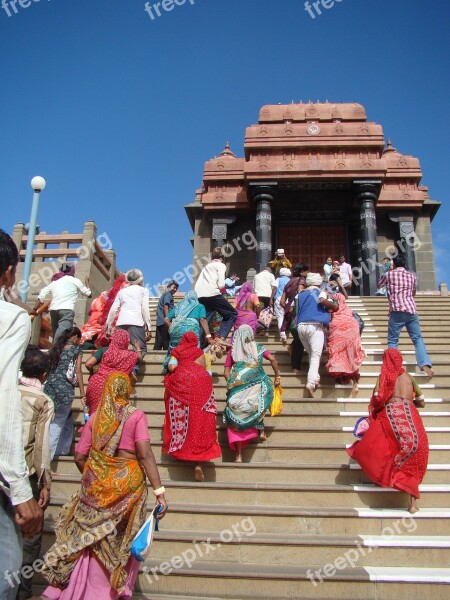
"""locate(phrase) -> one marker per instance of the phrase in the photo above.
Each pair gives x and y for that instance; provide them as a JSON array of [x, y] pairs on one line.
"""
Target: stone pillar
[[17, 235], [264, 195], [220, 229], [366, 196], [407, 237]]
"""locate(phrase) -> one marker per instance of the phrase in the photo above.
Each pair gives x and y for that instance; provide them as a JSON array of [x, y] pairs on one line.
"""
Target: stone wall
[[93, 257]]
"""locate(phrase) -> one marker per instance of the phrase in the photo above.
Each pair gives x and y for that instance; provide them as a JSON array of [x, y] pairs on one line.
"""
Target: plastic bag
[[142, 542], [361, 426], [277, 403]]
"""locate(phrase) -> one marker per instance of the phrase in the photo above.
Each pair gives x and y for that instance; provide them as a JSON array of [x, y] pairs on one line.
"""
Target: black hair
[[217, 253], [34, 363], [173, 282], [299, 267], [400, 261], [9, 255], [335, 277], [55, 351]]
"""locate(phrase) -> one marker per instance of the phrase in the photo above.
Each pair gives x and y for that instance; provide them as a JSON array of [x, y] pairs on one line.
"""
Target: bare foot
[[262, 436], [199, 475], [238, 459], [355, 390], [309, 391], [412, 507], [428, 371]]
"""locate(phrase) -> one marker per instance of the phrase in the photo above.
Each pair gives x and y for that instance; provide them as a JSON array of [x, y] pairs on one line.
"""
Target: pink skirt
[[89, 581], [241, 436]]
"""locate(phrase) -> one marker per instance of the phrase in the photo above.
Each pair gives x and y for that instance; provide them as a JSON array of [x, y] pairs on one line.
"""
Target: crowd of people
[[114, 453]]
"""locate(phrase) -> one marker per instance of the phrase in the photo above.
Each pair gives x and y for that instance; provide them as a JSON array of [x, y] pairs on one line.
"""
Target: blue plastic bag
[[142, 542]]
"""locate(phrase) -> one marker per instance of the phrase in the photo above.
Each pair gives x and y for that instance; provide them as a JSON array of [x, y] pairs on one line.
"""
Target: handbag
[[71, 373], [361, 426], [360, 322], [265, 317], [277, 403], [142, 542]]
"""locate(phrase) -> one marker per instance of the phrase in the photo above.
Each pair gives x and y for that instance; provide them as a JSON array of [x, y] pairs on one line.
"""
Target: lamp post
[[38, 184]]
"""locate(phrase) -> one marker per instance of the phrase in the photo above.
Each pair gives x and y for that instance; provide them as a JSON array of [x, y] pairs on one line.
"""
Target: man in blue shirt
[[165, 305], [313, 316]]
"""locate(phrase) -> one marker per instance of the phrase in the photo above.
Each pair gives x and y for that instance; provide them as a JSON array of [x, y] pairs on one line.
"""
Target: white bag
[[142, 542]]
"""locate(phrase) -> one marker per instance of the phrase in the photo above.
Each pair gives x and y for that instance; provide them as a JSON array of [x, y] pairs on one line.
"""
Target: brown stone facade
[[316, 179]]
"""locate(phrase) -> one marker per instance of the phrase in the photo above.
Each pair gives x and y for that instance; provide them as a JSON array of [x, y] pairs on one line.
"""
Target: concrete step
[[304, 495], [244, 545], [281, 582], [292, 519], [302, 472]]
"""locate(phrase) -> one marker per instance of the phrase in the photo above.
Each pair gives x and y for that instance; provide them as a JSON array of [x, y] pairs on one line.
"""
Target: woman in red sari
[[116, 358], [190, 423], [394, 450], [344, 342]]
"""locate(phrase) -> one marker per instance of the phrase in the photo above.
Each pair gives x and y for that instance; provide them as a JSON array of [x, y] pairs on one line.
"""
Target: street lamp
[[38, 184]]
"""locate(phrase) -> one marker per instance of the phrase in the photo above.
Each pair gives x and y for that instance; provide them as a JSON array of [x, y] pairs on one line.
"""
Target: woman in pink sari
[[344, 343], [248, 307]]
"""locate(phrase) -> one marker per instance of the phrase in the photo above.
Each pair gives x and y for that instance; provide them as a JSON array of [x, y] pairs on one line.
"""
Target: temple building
[[319, 180]]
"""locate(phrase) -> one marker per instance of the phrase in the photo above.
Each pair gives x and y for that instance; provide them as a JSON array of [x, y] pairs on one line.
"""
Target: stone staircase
[[298, 519]]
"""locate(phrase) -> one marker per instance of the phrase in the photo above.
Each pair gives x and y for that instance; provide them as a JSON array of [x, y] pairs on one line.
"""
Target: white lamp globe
[[38, 183]]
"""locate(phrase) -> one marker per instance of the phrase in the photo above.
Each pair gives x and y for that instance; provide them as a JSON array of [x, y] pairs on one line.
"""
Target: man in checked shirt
[[401, 289]]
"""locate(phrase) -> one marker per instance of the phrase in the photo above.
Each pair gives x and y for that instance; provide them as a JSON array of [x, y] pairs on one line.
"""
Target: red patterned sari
[[190, 421], [394, 450]]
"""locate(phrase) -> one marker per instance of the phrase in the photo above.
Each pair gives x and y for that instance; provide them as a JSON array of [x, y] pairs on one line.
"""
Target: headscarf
[[118, 357], [285, 272], [187, 349], [244, 294], [391, 368], [115, 397], [314, 279], [65, 269], [244, 347], [187, 305], [119, 283], [134, 277]]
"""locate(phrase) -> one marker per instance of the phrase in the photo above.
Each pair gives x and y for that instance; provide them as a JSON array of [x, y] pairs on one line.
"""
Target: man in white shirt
[[18, 509], [209, 287], [134, 315], [345, 272], [263, 285], [64, 291]]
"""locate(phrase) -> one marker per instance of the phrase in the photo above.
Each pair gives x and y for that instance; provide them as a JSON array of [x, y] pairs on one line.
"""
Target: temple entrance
[[312, 243]]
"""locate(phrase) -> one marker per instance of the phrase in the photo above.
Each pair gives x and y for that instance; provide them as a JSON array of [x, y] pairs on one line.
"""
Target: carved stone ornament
[[406, 228], [219, 232], [264, 246], [262, 130], [338, 130], [313, 129]]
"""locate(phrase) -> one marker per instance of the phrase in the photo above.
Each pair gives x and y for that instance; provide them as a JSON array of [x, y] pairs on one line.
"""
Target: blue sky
[[119, 112]]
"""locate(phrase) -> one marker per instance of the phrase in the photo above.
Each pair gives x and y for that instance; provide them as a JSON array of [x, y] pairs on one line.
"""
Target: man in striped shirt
[[401, 289]]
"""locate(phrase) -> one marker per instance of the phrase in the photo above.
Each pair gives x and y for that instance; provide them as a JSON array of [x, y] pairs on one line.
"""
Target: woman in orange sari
[[394, 450], [91, 559]]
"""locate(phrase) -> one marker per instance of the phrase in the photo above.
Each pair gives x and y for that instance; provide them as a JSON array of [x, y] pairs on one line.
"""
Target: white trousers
[[279, 314], [312, 337]]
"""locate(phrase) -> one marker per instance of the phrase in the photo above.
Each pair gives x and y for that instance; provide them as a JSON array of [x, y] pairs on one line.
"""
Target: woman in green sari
[[249, 389], [188, 315]]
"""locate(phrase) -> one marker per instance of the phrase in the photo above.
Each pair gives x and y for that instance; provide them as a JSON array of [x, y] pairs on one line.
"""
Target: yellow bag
[[277, 403]]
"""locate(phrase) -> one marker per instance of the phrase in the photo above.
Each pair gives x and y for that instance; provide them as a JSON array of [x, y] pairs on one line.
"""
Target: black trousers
[[31, 549], [223, 307], [297, 350], [162, 337], [265, 300]]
